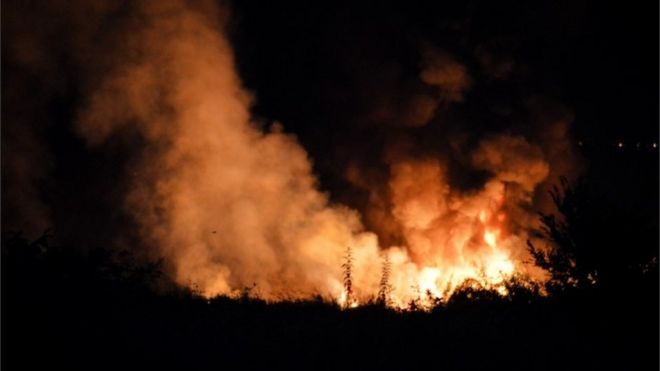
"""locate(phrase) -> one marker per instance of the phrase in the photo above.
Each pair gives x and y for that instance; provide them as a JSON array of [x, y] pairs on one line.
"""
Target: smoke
[[50, 51], [455, 200], [448, 75], [232, 203], [453, 235], [227, 204], [22, 203]]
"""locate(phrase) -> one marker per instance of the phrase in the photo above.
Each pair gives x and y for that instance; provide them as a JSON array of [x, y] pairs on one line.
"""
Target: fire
[[453, 238], [208, 168], [428, 282], [490, 238], [465, 247], [345, 301], [464, 238]]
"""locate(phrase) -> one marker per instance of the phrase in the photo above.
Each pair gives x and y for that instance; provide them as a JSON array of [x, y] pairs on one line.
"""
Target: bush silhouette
[[593, 240]]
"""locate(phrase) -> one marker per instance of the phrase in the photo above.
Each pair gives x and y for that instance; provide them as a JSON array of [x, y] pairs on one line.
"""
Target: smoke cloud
[[229, 205], [232, 203]]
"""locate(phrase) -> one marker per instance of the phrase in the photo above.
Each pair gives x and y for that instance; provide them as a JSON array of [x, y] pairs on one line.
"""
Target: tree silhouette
[[566, 255], [592, 239]]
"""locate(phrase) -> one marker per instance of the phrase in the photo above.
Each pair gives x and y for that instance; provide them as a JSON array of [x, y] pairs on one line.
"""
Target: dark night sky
[[324, 68], [599, 59], [592, 55]]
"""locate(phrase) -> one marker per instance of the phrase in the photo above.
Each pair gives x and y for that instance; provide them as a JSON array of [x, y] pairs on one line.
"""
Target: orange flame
[[208, 168]]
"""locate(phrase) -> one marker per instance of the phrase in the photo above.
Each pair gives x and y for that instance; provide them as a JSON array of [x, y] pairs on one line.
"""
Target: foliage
[[592, 240], [384, 286]]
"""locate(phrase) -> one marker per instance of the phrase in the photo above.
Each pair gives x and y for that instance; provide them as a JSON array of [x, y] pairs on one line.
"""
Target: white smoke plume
[[229, 205]]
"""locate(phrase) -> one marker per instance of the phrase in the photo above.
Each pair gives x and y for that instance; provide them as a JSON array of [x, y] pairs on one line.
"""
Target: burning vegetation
[[431, 201], [229, 203], [230, 206]]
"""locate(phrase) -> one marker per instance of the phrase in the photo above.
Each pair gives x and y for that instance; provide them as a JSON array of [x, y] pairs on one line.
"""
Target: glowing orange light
[[490, 238]]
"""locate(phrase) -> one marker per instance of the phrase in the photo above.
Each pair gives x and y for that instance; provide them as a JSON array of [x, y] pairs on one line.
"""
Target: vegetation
[[384, 286], [347, 274], [592, 241]]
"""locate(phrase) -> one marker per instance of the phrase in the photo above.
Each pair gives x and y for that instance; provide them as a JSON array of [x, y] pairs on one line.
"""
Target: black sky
[[322, 69], [599, 58]]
